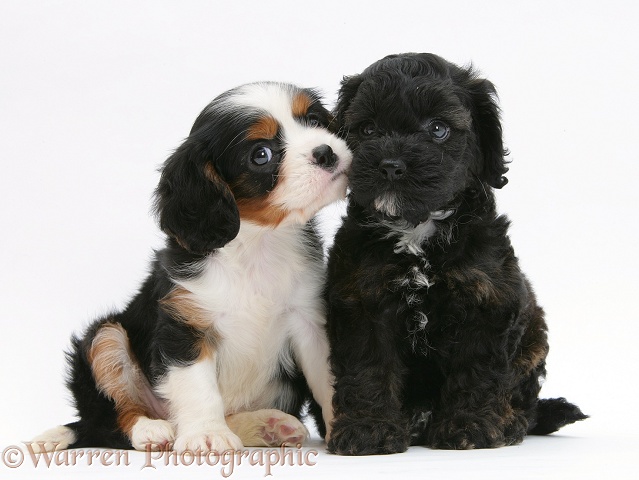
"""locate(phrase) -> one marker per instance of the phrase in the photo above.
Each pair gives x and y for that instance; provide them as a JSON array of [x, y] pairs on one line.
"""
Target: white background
[[95, 95]]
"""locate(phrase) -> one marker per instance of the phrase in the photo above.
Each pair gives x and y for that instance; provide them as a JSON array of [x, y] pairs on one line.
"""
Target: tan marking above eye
[[301, 104], [264, 129]]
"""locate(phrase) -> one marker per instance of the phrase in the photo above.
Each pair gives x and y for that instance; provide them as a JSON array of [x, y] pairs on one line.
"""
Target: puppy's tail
[[554, 413]]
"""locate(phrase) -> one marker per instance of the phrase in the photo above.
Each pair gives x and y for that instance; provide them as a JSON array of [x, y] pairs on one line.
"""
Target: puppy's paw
[[218, 439], [516, 430], [466, 432], [152, 435], [282, 429], [54, 439], [267, 428], [367, 436]]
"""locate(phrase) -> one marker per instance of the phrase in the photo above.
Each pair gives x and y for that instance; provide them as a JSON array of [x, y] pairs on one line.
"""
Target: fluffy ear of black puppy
[[488, 125], [436, 336]]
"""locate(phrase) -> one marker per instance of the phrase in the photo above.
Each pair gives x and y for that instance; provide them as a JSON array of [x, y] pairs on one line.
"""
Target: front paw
[[516, 429], [212, 440], [151, 434], [465, 432], [367, 436]]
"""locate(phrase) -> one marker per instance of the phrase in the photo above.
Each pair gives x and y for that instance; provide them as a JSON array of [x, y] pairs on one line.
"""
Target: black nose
[[324, 157], [392, 169]]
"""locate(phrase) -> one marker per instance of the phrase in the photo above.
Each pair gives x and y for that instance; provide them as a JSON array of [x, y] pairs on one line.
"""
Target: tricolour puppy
[[436, 337], [229, 325]]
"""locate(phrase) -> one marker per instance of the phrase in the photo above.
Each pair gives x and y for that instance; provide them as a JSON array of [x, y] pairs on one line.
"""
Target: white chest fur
[[254, 289]]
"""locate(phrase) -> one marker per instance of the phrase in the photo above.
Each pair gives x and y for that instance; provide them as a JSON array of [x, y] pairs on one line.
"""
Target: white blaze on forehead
[[273, 98], [262, 98]]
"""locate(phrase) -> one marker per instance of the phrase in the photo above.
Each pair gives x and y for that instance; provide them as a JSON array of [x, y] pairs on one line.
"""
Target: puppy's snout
[[392, 169], [324, 157]]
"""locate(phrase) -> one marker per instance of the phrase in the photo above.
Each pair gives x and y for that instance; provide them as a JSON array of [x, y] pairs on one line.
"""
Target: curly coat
[[436, 336]]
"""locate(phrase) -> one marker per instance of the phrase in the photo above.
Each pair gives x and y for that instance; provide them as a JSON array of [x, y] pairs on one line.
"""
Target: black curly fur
[[436, 340]]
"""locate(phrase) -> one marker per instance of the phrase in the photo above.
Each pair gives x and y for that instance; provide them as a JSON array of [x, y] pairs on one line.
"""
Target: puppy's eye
[[261, 155], [367, 129], [438, 130], [313, 120]]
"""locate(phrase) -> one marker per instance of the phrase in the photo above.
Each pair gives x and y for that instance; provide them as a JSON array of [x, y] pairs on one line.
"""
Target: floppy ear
[[194, 205], [488, 127], [345, 97]]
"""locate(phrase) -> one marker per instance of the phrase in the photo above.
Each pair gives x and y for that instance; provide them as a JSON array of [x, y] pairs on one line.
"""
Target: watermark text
[[33, 454]]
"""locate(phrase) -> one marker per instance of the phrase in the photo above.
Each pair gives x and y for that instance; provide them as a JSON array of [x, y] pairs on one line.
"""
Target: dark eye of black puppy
[[367, 129], [438, 130], [261, 155]]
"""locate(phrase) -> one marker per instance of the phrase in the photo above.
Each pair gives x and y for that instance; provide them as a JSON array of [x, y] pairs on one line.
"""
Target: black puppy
[[436, 336]]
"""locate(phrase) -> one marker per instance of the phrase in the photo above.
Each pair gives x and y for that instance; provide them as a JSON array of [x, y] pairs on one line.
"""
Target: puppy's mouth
[[339, 173], [388, 206]]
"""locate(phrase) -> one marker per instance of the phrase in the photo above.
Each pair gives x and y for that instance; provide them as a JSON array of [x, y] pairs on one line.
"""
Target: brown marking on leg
[[512, 424], [533, 346], [179, 304], [128, 415], [506, 413], [474, 281], [264, 129], [117, 374]]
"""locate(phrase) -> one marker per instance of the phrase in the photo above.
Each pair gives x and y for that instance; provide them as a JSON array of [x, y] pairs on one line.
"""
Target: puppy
[[226, 334], [436, 337]]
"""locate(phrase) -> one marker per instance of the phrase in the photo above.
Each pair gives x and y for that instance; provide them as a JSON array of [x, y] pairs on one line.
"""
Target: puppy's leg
[[369, 377], [475, 405], [118, 377], [529, 365], [196, 408], [140, 414], [267, 428], [311, 349]]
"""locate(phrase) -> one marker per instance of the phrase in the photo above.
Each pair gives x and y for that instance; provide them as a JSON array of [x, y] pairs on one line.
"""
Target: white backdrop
[[94, 95]]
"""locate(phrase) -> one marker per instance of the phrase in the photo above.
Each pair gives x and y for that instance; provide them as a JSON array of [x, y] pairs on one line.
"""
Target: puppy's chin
[[319, 190], [388, 207]]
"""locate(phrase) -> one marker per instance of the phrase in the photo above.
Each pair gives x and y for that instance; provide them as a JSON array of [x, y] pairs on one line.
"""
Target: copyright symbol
[[12, 456]]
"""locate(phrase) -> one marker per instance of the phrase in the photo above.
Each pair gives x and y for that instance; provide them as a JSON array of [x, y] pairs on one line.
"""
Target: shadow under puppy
[[229, 325], [436, 337]]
